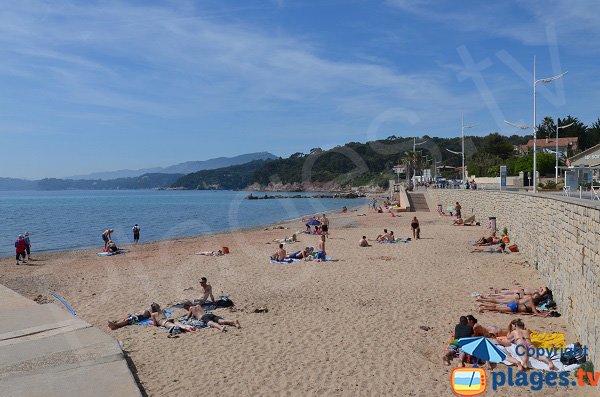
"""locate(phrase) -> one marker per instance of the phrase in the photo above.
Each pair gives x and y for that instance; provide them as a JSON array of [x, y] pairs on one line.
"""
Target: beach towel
[[110, 253], [536, 364], [149, 321], [286, 261], [221, 302], [548, 340]]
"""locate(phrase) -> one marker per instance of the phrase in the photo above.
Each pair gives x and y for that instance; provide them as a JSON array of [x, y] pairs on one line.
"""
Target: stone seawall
[[559, 237]]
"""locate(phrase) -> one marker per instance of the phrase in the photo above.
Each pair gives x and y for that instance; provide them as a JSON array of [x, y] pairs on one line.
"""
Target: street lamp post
[[535, 82], [462, 134], [556, 166]]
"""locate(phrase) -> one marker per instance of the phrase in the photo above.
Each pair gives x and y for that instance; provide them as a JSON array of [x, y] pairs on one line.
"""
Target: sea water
[[64, 220]]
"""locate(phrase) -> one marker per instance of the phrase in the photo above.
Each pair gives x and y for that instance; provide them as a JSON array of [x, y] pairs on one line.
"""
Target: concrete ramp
[[46, 351], [418, 202]]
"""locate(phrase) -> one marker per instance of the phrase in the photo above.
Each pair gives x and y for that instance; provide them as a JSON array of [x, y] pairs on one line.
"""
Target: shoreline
[[183, 238]]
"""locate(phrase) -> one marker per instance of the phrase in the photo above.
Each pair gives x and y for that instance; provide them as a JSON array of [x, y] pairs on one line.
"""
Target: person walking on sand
[[325, 225], [20, 249], [106, 237], [27, 245], [136, 233], [416, 230], [205, 291], [321, 254]]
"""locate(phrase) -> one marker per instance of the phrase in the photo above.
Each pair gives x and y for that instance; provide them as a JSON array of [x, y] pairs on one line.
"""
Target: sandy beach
[[348, 327]]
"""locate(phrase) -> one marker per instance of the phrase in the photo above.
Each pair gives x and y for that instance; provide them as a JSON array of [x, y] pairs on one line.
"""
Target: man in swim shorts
[[212, 320], [205, 291]]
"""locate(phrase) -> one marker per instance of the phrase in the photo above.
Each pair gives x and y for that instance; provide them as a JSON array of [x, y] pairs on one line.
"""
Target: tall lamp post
[[535, 82], [519, 126], [556, 166], [462, 134]]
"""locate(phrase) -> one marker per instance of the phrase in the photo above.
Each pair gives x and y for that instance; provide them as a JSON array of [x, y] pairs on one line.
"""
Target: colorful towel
[[286, 261], [548, 340], [149, 321], [110, 253]]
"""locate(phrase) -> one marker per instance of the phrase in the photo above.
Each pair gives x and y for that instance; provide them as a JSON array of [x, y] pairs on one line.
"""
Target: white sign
[[592, 156]]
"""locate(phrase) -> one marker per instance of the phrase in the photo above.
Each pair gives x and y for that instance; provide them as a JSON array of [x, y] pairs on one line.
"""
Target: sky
[[105, 85]]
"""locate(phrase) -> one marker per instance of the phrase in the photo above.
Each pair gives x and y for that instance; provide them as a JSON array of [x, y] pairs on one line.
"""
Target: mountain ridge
[[186, 167]]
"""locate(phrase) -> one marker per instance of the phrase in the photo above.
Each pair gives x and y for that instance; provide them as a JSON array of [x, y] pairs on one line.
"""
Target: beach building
[[548, 145], [590, 159]]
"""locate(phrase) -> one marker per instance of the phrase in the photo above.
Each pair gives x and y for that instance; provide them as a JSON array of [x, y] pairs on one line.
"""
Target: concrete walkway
[[46, 351]]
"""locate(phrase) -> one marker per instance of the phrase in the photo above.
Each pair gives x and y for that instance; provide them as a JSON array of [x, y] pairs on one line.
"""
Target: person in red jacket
[[20, 248]]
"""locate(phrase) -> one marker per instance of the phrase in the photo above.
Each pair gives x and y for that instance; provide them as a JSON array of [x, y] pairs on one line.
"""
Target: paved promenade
[[46, 351]]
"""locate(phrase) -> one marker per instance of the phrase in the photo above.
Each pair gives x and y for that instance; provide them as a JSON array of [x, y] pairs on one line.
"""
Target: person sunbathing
[[363, 242], [542, 291], [499, 249], [526, 305], [389, 237], [279, 255], [458, 222], [160, 319], [538, 294], [522, 337], [461, 330], [291, 239], [485, 241], [304, 254], [129, 320], [197, 312], [527, 299]]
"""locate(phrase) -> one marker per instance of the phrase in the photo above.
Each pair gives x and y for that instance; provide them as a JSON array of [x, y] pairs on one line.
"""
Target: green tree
[[498, 145], [545, 164], [592, 136], [547, 128]]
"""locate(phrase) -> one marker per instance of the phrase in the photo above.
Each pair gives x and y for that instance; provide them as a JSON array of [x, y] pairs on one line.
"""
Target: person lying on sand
[[491, 333], [522, 336], [543, 291], [196, 312], [129, 320], [211, 253], [499, 248], [533, 300], [279, 255], [363, 242], [485, 241], [458, 221], [304, 254], [526, 305], [160, 319], [291, 239]]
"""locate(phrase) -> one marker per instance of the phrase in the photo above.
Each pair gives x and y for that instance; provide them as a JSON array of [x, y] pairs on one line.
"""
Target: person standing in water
[[136, 233]]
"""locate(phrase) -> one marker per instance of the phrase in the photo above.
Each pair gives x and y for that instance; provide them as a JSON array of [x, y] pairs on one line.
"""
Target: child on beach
[[321, 254]]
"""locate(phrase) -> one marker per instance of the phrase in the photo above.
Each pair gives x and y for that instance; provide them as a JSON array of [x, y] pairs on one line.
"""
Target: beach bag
[[225, 250], [513, 248], [575, 355], [505, 239], [224, 301]]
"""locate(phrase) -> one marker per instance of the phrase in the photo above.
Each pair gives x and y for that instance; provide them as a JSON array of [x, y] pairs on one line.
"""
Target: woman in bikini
[[521, 336], [543, 291]]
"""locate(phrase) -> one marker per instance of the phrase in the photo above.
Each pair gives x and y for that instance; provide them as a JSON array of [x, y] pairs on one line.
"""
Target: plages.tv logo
[[468, 381]]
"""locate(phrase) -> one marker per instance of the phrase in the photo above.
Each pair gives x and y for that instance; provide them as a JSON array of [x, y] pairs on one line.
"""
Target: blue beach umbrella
[[313, 222], [481, 348]]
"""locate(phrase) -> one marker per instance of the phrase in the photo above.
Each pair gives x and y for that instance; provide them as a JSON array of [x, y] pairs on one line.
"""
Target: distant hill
[[17, 184], [228, 178], [146, 181], [181, 168]]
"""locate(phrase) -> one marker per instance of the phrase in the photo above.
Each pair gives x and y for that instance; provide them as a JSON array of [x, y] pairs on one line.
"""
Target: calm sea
[[65, 220]]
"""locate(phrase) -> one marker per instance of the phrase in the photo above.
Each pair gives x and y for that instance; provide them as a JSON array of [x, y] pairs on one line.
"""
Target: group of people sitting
[[194, 311], [307, 254], [516, 333]]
